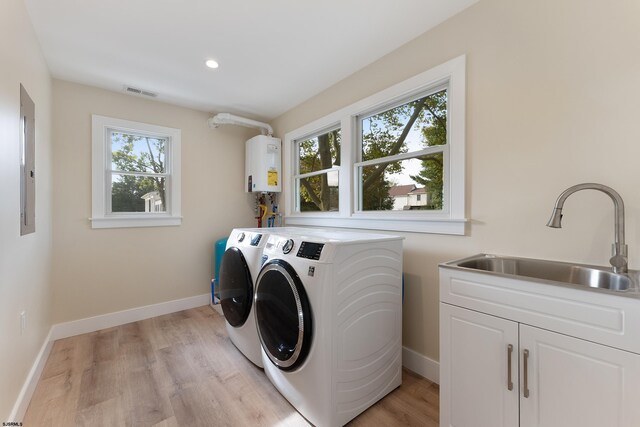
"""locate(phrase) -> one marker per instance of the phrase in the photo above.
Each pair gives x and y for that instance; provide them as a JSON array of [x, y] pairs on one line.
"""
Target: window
[[136, 174], [403, 146], [317, 175], [393, 161]]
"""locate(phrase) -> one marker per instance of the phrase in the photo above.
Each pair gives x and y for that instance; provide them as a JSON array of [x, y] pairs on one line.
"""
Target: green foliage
[[375, 195], [319, 153], [384, 134], [434, 133], [127, 190]]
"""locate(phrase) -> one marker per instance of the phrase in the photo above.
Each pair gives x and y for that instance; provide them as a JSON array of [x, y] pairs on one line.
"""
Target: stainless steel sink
[[551, 271]]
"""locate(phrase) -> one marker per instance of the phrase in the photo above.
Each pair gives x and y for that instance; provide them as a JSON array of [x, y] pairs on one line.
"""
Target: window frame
[[102, 173], [359, 163], [296, 171], [450, 220]]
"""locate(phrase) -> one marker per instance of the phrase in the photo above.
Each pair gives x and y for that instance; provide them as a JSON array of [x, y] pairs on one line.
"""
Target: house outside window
[[409, 197], [397, 164], [136, 174]]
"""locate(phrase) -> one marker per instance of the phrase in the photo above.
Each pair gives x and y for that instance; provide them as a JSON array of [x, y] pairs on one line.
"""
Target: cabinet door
[[577, 383], [474, 362]]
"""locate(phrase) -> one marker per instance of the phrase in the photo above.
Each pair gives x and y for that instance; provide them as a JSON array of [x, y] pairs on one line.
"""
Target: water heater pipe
[[232, 119]]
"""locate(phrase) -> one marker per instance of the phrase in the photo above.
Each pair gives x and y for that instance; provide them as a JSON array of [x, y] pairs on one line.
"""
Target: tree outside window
[[403, 149], [397, 149], [317, 179], [412, 129], [139, 173]]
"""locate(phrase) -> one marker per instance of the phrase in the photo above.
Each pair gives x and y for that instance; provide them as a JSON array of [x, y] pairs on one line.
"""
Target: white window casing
[[450, 220], [101, 215]]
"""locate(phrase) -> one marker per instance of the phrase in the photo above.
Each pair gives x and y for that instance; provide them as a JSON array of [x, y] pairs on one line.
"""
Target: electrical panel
[[263, 166]]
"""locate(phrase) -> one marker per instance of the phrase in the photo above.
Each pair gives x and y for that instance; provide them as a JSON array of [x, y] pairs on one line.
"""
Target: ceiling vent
[[142, 92]]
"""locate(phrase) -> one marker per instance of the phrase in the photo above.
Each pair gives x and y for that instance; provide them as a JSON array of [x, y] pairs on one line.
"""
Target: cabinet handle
[[525, 392], [509, 382]]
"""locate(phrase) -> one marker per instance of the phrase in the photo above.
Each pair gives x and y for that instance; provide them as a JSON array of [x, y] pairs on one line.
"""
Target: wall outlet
[[23, 321]]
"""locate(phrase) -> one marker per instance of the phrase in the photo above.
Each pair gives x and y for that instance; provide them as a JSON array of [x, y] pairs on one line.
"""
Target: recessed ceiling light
[[211, 63]]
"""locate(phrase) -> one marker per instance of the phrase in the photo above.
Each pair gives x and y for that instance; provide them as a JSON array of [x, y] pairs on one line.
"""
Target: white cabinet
[[475, 350], [557, 380], [582, 347], [573, 382]]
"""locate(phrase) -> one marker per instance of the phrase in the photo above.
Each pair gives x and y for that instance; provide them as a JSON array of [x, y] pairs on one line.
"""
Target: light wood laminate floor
[[181, 369]]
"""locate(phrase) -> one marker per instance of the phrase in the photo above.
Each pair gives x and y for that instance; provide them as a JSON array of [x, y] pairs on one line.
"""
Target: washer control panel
[[310, 250]]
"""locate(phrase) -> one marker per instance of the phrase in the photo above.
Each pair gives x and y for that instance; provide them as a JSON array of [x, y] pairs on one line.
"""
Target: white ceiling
[[273, 54]]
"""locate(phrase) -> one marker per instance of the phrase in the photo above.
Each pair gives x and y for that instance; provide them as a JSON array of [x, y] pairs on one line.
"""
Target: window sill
[[130, 221], [411, 225]]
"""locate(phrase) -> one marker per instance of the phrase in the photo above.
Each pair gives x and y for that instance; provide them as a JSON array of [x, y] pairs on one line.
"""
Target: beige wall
[[25, 262], [553, 99], [105, 270]]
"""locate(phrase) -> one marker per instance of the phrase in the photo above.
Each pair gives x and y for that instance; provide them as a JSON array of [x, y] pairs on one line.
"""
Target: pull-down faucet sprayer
[[619, 248]]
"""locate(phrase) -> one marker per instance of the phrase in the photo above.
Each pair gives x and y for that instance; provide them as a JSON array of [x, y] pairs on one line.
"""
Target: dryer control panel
[[255, 240], [310, 250]]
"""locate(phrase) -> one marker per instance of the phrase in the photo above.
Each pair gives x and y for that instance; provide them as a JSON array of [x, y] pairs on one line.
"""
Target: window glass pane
[[319, 192], [406, 128], [320, 152], [137, 153], [410, 184], [137, 194]]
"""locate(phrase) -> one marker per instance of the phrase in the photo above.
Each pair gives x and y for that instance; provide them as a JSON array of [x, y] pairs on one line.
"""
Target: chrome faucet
[[619, 248]]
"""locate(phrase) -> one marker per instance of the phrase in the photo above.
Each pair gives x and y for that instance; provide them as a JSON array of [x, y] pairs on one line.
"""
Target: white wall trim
[[420, 364], [92, 324], [29, 386], [435, 226], [109, 320]]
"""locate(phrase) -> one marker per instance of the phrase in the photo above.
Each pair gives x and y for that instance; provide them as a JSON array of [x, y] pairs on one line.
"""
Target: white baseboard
[[218, 308], [422, 365], [29, 386], [109, 320], [92, 324]]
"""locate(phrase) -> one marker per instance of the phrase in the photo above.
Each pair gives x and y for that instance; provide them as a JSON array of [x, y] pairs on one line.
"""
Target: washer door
[[236, 287], [283, 315]]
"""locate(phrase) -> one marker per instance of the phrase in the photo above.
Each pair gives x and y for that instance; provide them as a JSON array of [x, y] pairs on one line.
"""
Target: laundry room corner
[[101, 271]]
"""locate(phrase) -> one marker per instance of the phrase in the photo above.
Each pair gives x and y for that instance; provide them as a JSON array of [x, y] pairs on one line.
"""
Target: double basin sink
[[554, 272]]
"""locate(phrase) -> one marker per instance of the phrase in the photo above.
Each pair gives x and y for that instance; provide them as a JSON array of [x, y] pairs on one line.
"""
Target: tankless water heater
[[263, 165]]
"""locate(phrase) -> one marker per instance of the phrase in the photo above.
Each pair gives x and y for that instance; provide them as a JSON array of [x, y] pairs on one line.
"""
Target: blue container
[[218, 251]]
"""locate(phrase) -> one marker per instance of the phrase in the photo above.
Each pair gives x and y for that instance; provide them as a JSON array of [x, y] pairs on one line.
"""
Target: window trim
[[101, 171], [451, 220]]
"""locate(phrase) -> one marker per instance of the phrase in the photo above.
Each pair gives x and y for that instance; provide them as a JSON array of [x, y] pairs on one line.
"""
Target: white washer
[[328, 307], [239, 267]]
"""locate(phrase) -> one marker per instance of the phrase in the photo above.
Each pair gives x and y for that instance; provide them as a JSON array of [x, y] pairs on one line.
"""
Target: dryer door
[[236, 287], [283, 315]]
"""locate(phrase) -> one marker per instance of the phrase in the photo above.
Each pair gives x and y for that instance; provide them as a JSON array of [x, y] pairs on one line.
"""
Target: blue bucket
[[218, 250]]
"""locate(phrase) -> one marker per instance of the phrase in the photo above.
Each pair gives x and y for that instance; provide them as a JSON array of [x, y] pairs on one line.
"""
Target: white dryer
[[328, 307], [239, 267]]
